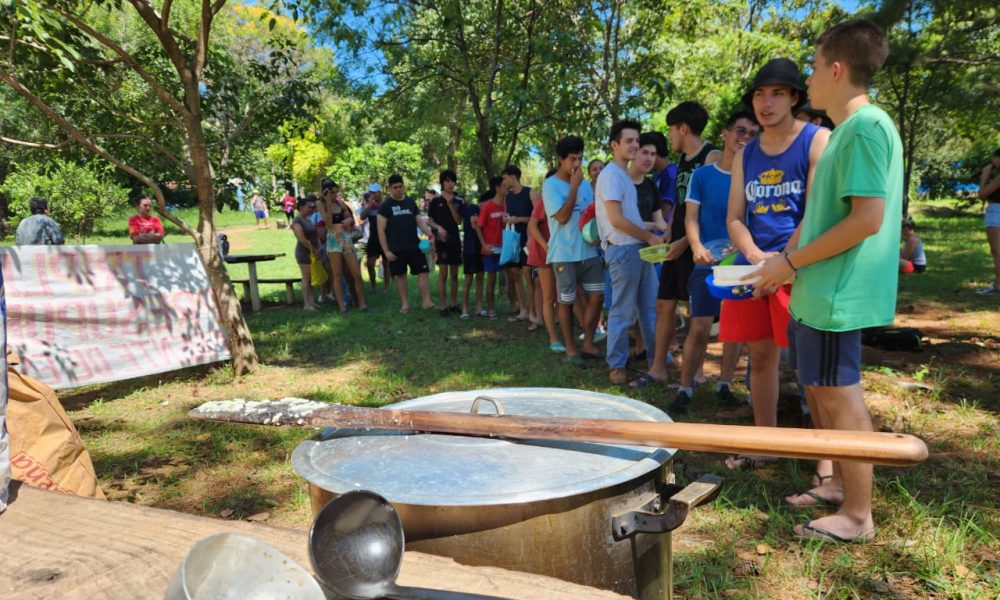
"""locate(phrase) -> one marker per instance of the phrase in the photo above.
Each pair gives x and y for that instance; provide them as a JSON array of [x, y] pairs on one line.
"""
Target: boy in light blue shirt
[[574, 262]]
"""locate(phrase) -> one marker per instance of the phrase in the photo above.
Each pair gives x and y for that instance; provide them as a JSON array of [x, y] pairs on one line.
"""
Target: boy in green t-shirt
[[845, 260]]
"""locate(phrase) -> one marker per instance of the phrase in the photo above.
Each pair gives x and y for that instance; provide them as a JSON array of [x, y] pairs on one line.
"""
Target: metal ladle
[[356, 549]]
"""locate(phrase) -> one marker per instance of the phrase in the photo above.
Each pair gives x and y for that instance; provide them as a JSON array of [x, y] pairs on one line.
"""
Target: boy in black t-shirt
[[445, 211], [472, 257], [686, 122], [519, 206], [398, 220]]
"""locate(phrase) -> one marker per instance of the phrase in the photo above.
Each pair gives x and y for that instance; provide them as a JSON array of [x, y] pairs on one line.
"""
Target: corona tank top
[[775, 188]]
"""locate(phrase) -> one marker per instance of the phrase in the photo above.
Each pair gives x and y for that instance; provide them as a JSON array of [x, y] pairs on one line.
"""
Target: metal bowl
[[229, 566]]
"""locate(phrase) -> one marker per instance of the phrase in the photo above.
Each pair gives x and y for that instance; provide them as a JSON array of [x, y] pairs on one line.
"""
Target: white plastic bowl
[[733, 274]]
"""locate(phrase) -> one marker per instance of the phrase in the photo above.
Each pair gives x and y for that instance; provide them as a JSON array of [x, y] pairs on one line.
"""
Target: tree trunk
[[230, 312]]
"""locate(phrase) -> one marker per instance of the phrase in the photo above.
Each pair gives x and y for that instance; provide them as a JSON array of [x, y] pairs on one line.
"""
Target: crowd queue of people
[[817, 210], [811, 193]]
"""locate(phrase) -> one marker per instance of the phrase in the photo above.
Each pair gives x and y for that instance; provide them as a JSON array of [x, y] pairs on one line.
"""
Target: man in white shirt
[[633, 281]]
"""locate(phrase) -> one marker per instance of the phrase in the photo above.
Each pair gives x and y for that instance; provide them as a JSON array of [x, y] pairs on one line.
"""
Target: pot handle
[[679, 502], [496, 404]]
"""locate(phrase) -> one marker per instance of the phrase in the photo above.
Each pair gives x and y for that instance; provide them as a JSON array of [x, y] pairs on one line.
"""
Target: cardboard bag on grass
[[45, 449]]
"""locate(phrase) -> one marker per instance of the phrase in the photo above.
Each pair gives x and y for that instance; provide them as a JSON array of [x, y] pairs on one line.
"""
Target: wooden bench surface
[[56, 546]]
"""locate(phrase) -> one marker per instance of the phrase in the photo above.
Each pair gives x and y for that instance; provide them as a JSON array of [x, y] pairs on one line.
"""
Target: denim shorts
[[992, 216]]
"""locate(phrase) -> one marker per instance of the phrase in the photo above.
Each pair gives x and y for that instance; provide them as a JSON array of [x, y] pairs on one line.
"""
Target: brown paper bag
[[45, 449]]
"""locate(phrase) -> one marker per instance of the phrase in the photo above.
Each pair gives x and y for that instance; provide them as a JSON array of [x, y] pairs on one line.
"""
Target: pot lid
[[452, 470]]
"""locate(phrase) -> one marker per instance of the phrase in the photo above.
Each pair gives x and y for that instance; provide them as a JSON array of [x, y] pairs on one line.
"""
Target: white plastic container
[[733, 274]]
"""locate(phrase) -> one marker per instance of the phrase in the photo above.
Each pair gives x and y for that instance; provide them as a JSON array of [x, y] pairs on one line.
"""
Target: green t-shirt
[[857, 288]]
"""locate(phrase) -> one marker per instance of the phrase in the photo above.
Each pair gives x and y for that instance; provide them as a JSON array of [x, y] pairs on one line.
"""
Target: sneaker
[[727, 397], [670, 360], [445, 312], [680, 404], [465, 315], [986, 291], [600, 334], [576, 360], [557, 347]]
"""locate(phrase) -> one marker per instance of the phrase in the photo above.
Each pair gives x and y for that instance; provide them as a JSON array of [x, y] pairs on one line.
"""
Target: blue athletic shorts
[[703, 304], [491, 263], [824, 358]]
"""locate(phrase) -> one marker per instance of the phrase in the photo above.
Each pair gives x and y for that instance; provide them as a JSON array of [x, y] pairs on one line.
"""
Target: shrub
[[78, 195]]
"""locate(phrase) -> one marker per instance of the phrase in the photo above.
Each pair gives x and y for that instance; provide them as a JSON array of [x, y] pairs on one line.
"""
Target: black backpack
[[908, 339]]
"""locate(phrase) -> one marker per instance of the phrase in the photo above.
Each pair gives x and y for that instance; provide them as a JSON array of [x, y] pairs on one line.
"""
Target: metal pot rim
[[457, 471]]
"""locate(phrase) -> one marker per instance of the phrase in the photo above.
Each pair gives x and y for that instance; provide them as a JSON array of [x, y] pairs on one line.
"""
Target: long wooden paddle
[[894, 449]]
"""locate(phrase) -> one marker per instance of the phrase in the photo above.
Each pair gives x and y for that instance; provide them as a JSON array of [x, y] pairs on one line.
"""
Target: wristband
[[789, 261]]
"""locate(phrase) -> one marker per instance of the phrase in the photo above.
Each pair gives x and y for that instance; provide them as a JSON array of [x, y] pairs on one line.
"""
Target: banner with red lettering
[[79, 315]]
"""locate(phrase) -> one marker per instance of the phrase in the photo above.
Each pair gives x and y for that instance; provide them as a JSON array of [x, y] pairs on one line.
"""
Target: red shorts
[[757, 319]]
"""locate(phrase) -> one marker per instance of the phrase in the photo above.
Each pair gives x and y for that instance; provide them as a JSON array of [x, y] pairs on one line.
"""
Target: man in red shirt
[[145, 228], [490, 232]]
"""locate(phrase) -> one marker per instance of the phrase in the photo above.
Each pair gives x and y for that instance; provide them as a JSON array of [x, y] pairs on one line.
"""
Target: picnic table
[[251, 261], [62, 546]]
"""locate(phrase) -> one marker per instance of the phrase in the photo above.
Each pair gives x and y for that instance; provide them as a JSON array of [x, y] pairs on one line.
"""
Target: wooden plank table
[[60, 546], [251, 261]]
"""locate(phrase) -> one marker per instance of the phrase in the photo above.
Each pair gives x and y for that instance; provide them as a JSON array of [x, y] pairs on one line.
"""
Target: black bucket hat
[[778, 71]]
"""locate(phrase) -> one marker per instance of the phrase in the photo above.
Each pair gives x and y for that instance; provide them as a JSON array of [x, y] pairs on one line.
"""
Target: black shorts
[[674, 278], [374, 247], [448, 255], [522, 261], [415, 259], [472, 263]]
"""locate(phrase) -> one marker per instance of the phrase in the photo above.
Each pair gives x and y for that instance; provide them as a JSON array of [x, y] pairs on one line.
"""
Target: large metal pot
[[587, 513]]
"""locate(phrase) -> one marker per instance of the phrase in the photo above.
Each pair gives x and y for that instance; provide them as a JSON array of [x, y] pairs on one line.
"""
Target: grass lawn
[[938, 523]]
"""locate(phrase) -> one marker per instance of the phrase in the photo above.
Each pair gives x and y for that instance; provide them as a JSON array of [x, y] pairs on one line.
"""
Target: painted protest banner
[[79, 315]]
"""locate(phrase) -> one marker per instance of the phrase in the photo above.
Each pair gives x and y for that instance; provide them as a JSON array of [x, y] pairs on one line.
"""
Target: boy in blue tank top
[[846, 263], [767, 197]]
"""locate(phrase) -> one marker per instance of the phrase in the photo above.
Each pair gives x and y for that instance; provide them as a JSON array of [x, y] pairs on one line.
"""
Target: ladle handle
[[416, 593]]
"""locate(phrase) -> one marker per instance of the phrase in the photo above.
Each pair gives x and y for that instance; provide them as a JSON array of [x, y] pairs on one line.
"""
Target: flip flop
[[516, 319], [591, 355], [576, 360], [557, 347], [618, 376], [403, 311], [745, 462], [534, 326], [817, 479], [642, 381], [815, 533], [819, 501]]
